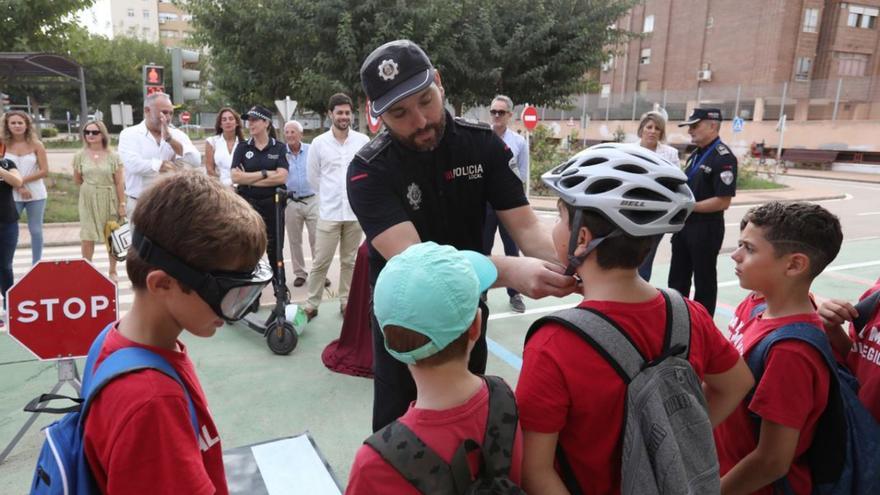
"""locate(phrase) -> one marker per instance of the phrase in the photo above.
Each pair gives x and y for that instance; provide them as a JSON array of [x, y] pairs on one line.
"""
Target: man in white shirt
[[329, 156], [501, 110], [153, 147]]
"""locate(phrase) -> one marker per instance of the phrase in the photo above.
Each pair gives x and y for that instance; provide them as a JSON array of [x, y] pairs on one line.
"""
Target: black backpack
[[430, 474]]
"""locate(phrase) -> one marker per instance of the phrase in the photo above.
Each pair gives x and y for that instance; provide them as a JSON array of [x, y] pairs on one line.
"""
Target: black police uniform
[[711, 172], [251, 159], [444, 193]]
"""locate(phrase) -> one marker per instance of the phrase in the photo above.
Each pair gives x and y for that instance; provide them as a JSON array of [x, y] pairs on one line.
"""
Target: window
[[131, 12], [645, 59], [167, 16], [851, 64], [188, 18], [608, 64], [146, 14], [802, 70], [606, 91], [862, 17], [168, 34], [811, 20], [145, 32], [648, 27], [642, 87]]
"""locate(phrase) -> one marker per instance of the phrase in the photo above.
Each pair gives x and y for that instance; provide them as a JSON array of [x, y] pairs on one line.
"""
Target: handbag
[[118, 238]]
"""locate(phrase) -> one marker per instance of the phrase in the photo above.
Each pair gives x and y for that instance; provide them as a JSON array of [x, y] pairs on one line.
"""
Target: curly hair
[[218, 130], [799, 228], [30, 134]]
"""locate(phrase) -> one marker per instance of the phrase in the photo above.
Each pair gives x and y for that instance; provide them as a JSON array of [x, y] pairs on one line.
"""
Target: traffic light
[[184, 76], [154, 79]]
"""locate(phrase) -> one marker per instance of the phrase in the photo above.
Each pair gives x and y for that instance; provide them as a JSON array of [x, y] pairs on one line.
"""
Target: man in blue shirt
[[304, 209]]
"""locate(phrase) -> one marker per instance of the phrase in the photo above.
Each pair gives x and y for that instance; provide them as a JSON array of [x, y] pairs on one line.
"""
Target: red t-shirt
[[793, 392], [741, 316], [864, 358], [566, 386], [443, 431], [138, 434]]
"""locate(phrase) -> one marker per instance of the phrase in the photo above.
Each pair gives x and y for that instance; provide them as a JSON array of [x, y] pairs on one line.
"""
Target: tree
[[38, 25], [533, 50]]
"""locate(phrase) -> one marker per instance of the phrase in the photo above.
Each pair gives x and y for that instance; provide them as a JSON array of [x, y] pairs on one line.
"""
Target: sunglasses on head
[[91, 133], [230, 294], [498, 113]]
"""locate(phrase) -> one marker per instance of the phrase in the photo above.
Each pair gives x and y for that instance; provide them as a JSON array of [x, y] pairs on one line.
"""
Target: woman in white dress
[[652, 133], [220, 146], [25, 149]]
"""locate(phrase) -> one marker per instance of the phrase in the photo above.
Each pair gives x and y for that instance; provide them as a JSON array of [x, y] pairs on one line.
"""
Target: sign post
[[55, 311], [529, 119]]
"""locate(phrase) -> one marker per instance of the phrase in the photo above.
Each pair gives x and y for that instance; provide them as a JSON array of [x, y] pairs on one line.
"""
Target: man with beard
[[429, 177], [329, 156]]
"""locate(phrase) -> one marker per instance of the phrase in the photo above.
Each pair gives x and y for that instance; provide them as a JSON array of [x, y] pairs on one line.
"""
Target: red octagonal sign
[[58, 308]]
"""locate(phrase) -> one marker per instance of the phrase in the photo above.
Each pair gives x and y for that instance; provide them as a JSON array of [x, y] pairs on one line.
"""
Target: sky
[[97, 18]]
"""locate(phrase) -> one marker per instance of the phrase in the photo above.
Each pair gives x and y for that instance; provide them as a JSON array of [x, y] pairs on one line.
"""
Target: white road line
[[837, 268], [846, 197], [868, 213]]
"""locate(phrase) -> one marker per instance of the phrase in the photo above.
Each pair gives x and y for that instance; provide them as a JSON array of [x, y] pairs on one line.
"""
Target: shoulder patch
[[722, 149], [372, 149], [473, 124]]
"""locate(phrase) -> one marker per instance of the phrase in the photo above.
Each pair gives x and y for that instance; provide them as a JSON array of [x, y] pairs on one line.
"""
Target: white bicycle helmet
[[632, 187]]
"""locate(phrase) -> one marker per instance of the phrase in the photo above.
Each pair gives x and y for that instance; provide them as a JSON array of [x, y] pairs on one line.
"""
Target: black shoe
[[517, 304], [310, 314], [326, 282], [299, 282]]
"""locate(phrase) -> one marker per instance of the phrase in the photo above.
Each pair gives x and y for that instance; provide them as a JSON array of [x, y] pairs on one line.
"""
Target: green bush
[[48, 132], [749, 176]]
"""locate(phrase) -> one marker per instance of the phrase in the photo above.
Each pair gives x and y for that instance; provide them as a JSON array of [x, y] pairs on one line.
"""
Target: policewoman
[[258, 167], [711, 171], [428, 177]]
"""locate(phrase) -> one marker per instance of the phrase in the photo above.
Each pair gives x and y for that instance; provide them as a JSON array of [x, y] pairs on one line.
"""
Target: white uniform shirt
[[327, 165], [142, 156]]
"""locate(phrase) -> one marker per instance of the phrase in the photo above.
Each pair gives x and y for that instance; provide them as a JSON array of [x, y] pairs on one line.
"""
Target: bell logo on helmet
[[627, 202]]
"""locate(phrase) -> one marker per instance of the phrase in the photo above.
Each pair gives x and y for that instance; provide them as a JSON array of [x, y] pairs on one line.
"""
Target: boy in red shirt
[[426, 302], [782, 248], [195, 246], [568, 394], [861, 347]]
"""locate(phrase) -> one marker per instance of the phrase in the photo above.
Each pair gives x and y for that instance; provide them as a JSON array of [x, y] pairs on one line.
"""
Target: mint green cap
[[433, 290]]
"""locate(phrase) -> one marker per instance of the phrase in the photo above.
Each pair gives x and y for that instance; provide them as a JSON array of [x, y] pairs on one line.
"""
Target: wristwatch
[[265, 174]]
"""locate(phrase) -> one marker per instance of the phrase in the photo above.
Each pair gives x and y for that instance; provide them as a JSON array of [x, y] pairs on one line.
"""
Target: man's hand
[[163, 127], [533, 277], [168, 166], [836, 311]]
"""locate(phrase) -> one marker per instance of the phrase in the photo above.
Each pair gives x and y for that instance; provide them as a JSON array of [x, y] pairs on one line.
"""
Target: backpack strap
[[419, 465], [498, 441], [758, 309], [804, 332], [866, 309], [678, 325]]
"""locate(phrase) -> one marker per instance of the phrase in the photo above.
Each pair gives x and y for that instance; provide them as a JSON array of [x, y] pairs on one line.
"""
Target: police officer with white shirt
[[711, 170]]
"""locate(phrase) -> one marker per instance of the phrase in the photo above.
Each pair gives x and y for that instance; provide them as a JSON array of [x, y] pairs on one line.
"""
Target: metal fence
[[851, 98]]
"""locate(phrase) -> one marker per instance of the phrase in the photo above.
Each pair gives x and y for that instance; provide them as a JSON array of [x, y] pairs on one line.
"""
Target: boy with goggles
[[194, 262]]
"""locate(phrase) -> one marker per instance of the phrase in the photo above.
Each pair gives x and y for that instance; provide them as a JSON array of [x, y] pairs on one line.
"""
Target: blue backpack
[[62, 467], [845, 452]]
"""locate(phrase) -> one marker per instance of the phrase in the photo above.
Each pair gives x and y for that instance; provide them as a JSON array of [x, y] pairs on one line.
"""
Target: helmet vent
[[603, 185], [679, 217], [562, 167], [642, 217], [644, 195], [673, 185], [570, 182], [593, 161], [631, 168]]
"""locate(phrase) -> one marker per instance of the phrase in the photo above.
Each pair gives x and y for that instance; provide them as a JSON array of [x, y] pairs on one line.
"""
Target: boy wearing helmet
[[614, 200]]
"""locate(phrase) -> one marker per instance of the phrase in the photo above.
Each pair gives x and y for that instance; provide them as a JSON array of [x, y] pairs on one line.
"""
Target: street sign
[[530, 117], [738, 124], [120, 115], [373, 124], [58, 308], [184, 117], [286, 107]]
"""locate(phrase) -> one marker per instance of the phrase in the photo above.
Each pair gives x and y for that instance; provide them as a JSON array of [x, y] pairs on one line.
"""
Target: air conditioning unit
[[704, 75]]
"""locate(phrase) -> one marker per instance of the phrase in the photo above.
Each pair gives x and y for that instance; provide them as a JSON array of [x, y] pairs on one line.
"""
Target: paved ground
[[256, 396]]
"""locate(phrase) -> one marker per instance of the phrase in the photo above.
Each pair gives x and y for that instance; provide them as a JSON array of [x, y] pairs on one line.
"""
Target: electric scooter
[[280, 328]]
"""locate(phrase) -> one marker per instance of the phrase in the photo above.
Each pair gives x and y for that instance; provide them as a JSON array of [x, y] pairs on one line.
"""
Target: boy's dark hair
[[624, 251], [799, 228], [403, 339], [339, 99], [197, 219]]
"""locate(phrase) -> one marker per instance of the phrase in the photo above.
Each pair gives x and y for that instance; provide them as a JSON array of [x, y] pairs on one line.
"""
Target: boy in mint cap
[[426, 302]]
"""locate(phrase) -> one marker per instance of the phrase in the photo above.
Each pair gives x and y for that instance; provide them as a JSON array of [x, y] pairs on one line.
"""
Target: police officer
[[428, 177], [258, 167], [711, 171]]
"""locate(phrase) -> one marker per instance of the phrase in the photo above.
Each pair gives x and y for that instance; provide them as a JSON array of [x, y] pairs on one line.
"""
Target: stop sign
[[530, 117], [184, 117], [58, 308]]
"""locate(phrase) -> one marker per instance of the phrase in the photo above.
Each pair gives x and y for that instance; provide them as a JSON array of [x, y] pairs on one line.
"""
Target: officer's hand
[[534, 277], [835, 311], [236, 174]]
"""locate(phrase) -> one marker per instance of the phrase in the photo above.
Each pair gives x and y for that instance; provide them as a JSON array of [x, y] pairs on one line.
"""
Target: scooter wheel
[[281, 339]]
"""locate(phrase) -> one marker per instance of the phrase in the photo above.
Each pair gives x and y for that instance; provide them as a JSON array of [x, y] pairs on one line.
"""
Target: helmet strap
[[575, 261]]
